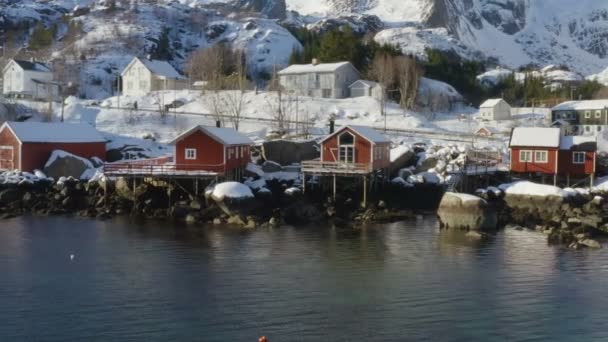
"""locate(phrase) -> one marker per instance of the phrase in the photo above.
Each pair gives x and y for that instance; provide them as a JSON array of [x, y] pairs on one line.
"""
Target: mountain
[[512, 32]]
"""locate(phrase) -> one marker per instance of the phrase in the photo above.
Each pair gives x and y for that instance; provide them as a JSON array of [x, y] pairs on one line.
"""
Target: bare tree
[[213, 65], [408, 79], [276, 107], [383, 71]]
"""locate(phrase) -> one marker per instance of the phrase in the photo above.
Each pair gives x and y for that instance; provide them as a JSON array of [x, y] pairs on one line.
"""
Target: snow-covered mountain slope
[[388, 10], [110, 39], [513, 32]]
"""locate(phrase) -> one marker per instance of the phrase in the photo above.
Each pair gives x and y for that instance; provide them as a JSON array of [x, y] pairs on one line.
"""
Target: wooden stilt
[[592, 178], [555, 179], [364, 191], [303, 183], [335, 188], [568, 180], [196, 186]]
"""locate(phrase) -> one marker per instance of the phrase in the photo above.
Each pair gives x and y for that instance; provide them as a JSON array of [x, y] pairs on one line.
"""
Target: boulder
[[10, 195], [232, 197], [64, 164], [590, 243], [462, 211], [270, 167]]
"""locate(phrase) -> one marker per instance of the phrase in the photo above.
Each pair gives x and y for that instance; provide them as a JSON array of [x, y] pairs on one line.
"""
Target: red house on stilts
[[546, 151], [214, 149], [26, 146]]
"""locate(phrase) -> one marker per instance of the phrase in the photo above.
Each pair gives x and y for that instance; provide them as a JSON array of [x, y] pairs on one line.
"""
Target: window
[[541, 156], [587, 129], [587, 114], [578, 158], [326, 93], [525, 156], [598, 114], [598, 128], [190, 153], [129, 85]]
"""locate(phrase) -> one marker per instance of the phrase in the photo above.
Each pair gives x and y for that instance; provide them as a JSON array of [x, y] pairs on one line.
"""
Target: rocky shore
[[226, 203], [575, 218]]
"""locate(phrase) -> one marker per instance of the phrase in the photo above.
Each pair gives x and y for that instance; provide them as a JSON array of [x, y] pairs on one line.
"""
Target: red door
[[6, 158]]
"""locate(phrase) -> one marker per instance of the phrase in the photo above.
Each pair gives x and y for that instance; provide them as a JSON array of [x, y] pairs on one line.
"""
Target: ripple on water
[[403, 281]]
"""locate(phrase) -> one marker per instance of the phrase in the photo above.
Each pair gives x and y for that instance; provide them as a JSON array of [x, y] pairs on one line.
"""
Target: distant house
[[329, 80], [587, 117], [486, 131], [213, 149], [495, 109], [29, 79], [359, 145], [141, 76], [363, 88], [547, 151], [27, 146]]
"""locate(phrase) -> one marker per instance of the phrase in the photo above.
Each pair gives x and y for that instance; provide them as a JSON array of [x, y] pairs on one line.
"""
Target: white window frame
[[577, 161], [598, 114], [542, 153], [527, 156], [190, 154], [587, 114]]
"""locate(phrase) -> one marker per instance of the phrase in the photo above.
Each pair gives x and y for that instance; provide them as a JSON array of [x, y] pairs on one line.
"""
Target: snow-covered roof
[[364, 82], [492, 130], [489, 103], [54, 132], [582, 142], [366, 132], [224, 135], [582, 105], [159, 68], [32, 66], [310, 68], [535, 137]]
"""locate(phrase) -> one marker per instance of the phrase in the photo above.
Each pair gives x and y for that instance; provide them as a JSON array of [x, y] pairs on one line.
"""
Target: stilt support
[[303, 183], [335, 190], [364, 191]]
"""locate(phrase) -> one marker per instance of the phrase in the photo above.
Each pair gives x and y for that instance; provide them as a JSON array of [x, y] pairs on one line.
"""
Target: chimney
[[315, 61], [332, 126], [218, 123]]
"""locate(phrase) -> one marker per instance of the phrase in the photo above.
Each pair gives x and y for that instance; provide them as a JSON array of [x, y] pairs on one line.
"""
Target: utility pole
[[118, 91]]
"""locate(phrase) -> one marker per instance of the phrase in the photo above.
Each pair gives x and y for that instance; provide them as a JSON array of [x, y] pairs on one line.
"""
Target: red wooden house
[[27, 146], [213, 149], [547, 151], [357, 145]]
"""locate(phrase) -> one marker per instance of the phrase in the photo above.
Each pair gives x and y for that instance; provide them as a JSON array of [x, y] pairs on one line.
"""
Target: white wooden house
[[29, 79], [361, 88], [328, 80], [141, 76], [495, 109]]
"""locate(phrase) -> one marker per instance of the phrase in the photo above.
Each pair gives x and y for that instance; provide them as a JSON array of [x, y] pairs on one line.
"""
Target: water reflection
[[402, 281]]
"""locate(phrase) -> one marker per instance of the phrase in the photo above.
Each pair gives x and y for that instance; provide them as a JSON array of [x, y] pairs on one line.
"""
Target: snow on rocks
[[62, 163], [468, 212], [527, 188], [230, 190]]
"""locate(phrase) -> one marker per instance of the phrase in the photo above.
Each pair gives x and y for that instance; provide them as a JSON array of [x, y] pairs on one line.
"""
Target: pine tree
[[162, 49], [41, 37]]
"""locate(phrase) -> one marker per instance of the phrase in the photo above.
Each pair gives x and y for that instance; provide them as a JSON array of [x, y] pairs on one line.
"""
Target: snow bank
[[398, 152], [20, 178], [232, 190], [533, 189]]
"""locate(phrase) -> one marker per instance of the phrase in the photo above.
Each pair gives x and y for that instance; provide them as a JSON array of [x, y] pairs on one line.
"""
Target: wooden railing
[[317, 166], [162, 169]]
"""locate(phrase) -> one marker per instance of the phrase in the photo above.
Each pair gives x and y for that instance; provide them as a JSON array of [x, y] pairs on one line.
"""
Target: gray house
[[587, 117], [366, 88], [328, 80]]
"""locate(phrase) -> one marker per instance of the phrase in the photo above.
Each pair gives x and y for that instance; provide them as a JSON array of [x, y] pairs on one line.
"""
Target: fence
[[316, 166]]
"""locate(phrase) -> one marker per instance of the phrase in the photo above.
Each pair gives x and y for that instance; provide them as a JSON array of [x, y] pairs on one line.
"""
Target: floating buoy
[[262, 339]]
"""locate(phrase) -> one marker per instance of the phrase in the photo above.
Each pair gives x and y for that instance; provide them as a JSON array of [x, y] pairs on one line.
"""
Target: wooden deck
[[317, 167], [163, 170]]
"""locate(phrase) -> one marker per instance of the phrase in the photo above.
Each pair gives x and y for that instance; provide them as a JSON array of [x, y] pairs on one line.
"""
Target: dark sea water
[[398, 282]]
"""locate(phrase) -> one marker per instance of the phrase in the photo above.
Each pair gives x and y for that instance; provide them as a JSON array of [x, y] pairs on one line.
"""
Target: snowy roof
[[159, 68], [535, 137], [224, 135], [578, 142], [32, 66], [366, 132], [364, 82], [490, 103], [492, 130], [309, 68], [582, 105], [54, 132]]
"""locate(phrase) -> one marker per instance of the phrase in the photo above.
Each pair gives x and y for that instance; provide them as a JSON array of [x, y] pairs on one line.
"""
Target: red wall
[[35, 155], [8, 139], [363, 150], [566, 166], [518, 166], [209, 154]]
